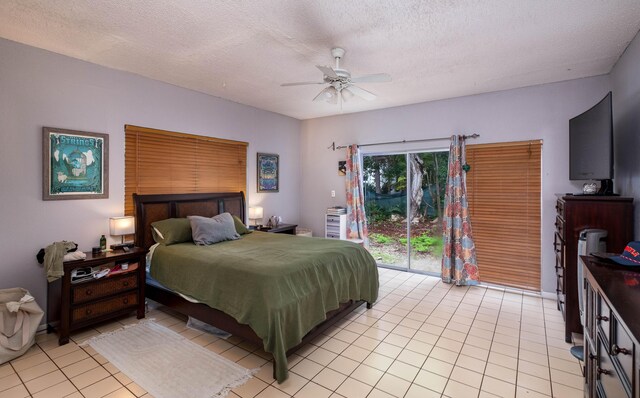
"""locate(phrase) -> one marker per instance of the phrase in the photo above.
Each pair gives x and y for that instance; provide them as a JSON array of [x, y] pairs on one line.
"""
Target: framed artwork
[[75, 164], [268, 172], [342, 168]]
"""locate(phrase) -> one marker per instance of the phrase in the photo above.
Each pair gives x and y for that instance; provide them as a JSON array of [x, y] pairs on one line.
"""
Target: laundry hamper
[[20, 316]]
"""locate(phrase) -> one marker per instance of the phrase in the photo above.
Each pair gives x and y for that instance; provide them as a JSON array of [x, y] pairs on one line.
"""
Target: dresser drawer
[[623, 351], [608, 380], [105, 287], [94, 310], [603, 319], [560, 227], [560, 300], [558, 244], [560, 283], [560, 208], [589, 308]]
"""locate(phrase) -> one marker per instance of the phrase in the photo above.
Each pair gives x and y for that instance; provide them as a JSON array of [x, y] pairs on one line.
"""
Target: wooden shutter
[[158, 161], [503, 189]]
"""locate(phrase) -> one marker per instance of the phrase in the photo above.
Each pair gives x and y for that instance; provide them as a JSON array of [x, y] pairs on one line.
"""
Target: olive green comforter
[[280, 285]]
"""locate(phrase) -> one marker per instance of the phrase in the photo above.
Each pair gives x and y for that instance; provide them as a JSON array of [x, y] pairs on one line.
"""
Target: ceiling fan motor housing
[[344, 77], [337, 52]]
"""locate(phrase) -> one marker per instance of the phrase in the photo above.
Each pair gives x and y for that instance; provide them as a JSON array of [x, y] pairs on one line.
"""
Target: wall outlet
[[333, 193]]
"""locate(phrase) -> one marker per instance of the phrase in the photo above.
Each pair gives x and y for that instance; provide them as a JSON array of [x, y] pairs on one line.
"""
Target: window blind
[[158, 161], [503, 190]]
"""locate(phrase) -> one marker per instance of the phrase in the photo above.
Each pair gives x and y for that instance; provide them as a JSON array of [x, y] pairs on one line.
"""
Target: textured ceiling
[[244, 50]]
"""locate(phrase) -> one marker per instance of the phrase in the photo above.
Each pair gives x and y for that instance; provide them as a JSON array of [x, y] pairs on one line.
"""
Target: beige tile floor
[[422, 339]]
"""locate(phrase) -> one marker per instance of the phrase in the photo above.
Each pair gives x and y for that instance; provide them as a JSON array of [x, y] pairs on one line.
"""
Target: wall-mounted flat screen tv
[[591, 145]]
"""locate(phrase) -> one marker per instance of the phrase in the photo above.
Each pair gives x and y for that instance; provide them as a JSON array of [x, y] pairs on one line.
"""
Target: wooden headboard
[[150, 208]]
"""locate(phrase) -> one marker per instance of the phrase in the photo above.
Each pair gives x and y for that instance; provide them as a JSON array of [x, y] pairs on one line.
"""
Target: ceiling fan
[[341, 84]]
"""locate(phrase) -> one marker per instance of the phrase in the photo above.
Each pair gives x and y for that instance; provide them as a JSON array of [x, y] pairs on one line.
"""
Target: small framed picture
[[75, 164], [342, 167], [268, 172]]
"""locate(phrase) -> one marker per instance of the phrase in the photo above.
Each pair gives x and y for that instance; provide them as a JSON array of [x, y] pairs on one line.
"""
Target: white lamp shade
[[122, 226], [328, 94], [346, 94], [255, 212]]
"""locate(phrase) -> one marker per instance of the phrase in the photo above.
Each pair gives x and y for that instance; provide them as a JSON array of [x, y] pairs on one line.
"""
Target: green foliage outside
[[390, 198], [421, 244], [375, 212], [387, 175], [425, 244], [380, 238]]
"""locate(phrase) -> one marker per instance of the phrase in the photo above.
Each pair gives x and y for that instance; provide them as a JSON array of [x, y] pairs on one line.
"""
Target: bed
[[277, 291]]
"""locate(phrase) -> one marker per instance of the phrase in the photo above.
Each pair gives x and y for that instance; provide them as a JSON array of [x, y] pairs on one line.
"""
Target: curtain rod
[[464, 137]]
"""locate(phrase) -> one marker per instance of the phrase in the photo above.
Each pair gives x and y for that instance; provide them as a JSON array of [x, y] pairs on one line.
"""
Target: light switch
[[333, 194]]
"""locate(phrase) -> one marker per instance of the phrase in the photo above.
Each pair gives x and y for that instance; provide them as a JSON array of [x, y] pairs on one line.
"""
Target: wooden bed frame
[[150, 208]]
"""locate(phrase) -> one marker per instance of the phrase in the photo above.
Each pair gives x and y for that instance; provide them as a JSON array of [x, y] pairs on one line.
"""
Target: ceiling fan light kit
[[328, 94], [341, 84]]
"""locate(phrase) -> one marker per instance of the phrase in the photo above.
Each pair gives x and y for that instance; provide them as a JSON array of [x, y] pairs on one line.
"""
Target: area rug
[[168, 365]]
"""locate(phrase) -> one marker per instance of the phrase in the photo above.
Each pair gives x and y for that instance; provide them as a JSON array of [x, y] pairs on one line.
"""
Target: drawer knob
[[602, 318], [125, 283], [88, 311], [125, 300], [603, 371], [88, 292], [617, 350]]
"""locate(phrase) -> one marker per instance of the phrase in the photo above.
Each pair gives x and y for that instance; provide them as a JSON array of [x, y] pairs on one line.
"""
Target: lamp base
[[124, 246]]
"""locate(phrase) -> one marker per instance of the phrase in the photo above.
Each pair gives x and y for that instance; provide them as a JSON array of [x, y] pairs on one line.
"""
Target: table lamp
[[121, 226], [256, 213]]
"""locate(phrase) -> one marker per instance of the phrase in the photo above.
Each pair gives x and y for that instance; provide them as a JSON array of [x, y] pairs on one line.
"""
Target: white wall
[[539, 112], [39, 88], [625, 81]]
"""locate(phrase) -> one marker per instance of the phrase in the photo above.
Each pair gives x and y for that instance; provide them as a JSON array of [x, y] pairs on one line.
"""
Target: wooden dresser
[[573, 214], [612, 329]]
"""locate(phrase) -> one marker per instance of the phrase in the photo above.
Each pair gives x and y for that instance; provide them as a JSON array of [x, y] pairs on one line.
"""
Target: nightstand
[[289, 229], [74, 305]]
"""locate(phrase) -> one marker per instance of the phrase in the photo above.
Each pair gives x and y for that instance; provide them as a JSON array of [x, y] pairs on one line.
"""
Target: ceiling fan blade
[[375, 78], [327, 71], [300, 83], [360, 92]]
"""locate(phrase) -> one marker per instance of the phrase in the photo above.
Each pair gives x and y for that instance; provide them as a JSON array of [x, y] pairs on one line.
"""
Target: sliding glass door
[[385, 201], [404, 194]]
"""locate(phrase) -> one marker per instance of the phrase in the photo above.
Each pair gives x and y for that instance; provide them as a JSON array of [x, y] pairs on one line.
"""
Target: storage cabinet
[[611, 330], [72, 306], [573, 214], [335, 226]]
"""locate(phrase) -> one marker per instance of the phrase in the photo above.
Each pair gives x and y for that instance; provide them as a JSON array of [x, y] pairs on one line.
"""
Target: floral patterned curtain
[[459, 263], [356, 219]]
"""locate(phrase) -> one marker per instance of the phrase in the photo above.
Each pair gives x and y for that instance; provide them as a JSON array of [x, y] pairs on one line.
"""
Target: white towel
[[77, 255]]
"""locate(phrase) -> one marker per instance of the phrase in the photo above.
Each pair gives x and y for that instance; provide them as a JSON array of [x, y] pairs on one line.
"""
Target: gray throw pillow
[[206, 231]]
